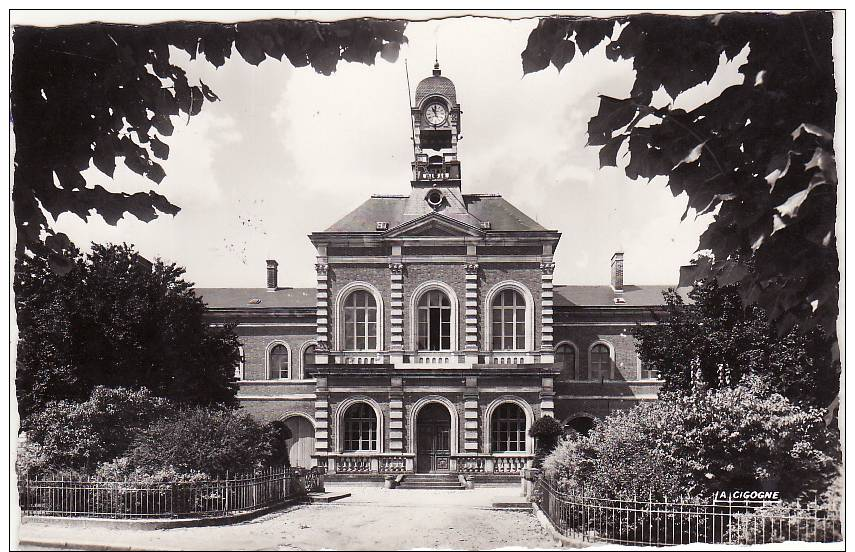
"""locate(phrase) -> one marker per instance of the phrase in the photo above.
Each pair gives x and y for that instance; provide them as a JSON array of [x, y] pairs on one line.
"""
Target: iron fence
[[663, 523], [55, 496]]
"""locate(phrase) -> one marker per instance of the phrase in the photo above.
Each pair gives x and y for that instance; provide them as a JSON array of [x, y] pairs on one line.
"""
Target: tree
[[118, 320], [746, 437], [75, 435], [98, 93], [713, 342], [759, 155], [546, 430]]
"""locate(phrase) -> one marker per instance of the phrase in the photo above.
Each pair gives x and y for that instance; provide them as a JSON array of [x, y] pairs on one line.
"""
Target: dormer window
[[382, 225]]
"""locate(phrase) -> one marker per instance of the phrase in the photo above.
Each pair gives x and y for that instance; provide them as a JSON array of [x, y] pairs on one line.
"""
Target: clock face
[[436, 114]]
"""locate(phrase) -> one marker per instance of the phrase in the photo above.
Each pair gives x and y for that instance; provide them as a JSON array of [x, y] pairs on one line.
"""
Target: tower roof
[[436, 84], [501, 214]]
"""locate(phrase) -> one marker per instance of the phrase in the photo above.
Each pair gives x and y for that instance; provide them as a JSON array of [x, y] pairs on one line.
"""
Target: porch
[[510, 464]]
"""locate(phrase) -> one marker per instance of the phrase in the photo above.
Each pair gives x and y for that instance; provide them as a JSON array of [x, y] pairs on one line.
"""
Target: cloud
[[287, 152]]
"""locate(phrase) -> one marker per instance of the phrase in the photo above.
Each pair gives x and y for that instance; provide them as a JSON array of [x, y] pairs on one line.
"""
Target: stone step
[[444, 487]]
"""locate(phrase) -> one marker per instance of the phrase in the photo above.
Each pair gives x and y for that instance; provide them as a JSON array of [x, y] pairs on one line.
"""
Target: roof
[[564, 296], [600, 296], [501, 214], [232, 298], [436, 85]]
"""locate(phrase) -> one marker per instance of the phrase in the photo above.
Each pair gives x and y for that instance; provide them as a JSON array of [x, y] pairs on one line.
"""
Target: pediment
[[434, 225]]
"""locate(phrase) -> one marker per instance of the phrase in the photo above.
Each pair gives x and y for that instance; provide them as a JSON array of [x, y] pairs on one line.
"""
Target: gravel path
[[371, 519]]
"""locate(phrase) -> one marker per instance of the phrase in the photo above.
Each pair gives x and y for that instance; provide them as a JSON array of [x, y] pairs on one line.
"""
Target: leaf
[[608, 153], [591, 32], [563, 54], [612, 115], [159, 149]]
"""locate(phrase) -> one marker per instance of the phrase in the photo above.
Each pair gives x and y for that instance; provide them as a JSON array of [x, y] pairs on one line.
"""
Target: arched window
[[508, 319], [434, 319], [509, 431], [601, 362], [565, 355], [581, 425], [278, 362], [360, 428], [239, 369], [360, 321]]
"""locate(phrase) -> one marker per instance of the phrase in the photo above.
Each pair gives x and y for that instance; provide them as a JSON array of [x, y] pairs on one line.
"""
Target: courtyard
[[370, 519]]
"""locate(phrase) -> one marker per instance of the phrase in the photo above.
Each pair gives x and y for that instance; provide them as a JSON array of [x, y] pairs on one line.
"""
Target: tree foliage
[[744, 437], [209, 441], [759, 155], [546, 430], [713, 342], [117, 320], [66, 434], [98, 94]]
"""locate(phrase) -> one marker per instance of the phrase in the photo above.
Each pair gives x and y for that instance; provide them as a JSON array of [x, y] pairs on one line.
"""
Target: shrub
[[732, 438], [31, 460], [72, 435], [208, 440], [546, 430]]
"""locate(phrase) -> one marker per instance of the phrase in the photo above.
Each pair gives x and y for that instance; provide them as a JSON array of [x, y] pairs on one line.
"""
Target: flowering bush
[[81, 435], [210, 441], [732, 438]]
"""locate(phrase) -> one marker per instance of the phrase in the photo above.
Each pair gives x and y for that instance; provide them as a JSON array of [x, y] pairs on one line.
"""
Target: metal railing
[[53, 496], [663, 523]]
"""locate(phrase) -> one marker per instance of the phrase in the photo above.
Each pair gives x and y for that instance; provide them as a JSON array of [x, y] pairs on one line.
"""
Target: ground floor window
[[509, 428], [581, 425], [360, 428]]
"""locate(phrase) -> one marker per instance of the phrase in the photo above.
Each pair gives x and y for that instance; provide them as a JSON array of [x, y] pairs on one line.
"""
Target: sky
[[287, 152]]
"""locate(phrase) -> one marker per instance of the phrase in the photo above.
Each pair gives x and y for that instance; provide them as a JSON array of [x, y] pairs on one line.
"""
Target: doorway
[[433, 439], [301, 445]]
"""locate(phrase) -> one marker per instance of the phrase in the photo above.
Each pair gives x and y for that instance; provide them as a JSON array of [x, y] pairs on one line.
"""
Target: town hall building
[[435, 336]]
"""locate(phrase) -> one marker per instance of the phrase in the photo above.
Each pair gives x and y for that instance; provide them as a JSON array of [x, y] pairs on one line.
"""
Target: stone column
[[396, 312], [471, 422], [323, 311], [322, 423], [547, 346], [471, 346], [547, 397], [396, 415]]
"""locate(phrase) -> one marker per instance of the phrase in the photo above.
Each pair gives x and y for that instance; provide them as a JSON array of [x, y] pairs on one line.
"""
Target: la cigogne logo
[[758, 496]]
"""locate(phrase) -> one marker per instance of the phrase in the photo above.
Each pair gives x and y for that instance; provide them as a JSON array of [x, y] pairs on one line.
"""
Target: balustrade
[[353, 464], [470, 464], [393, 464], [509, 464]]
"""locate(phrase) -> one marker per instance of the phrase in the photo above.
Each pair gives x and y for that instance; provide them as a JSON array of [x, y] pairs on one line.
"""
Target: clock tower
[[436, 130]]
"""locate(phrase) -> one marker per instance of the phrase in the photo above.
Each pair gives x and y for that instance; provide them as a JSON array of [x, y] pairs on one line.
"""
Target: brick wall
[[255, 341], [619, 338]]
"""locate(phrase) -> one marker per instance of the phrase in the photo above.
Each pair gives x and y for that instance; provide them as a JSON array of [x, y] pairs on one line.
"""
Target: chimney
[[617, 272], [272, 275]]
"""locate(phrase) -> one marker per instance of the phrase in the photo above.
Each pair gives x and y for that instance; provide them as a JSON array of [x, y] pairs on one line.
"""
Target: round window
[[434, 198]]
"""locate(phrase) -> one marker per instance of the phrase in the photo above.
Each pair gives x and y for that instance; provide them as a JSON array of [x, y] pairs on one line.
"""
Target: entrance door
[[433, 439], [301, 445]]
